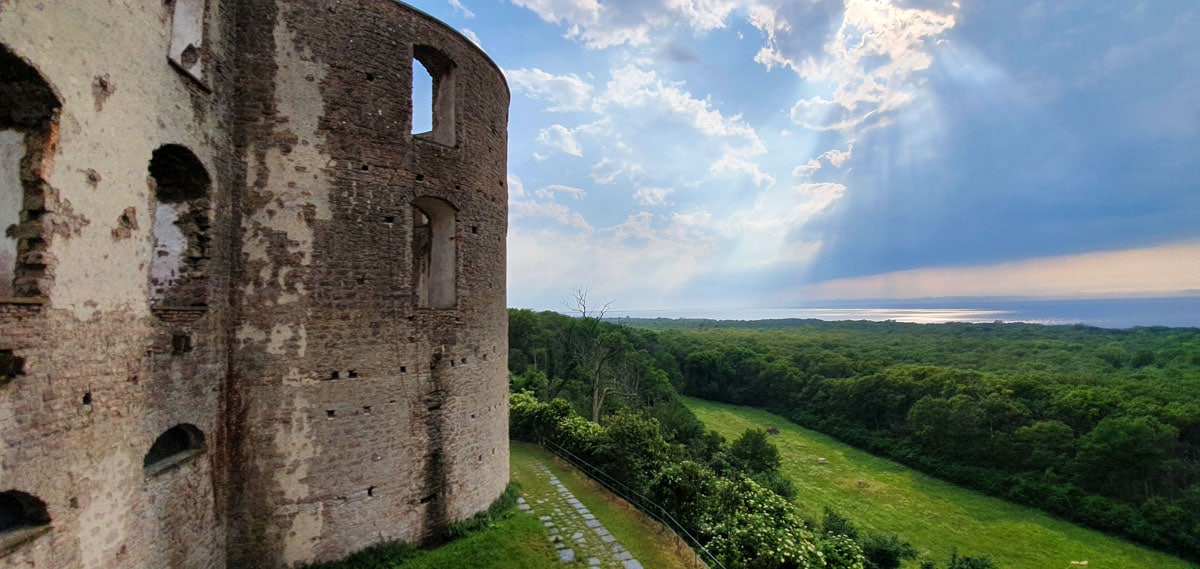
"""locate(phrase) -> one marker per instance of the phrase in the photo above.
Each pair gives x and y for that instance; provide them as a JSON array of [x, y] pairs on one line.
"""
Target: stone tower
[[248, 317]]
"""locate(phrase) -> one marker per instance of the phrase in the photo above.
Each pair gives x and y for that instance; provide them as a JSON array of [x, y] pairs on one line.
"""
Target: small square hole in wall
[[330, 413], [420, 177], [11, 365], [352, 374], [87, 398], [181, 343], [371, 491], [389, 219], [334, 375], [403, 369], [474, 229]]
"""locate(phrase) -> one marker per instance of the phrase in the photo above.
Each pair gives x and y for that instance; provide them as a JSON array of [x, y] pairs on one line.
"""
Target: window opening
[[187, 33], [19, 510], [174, 445], [433, 95], [435, 246], [11, 365], [28, 115], [177, 270]]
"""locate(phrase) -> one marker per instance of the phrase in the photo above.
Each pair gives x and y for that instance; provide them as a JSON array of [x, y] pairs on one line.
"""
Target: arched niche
[[435, 253], [439, 69], [182, 194], [22, 517], [172, 447], [29, 111]]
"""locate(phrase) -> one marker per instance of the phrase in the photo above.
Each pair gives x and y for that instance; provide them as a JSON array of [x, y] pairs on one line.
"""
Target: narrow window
[[433, 95], [28, 114], [19, 510], [187, 33], [174, 445], [435, 252], [181, 188]]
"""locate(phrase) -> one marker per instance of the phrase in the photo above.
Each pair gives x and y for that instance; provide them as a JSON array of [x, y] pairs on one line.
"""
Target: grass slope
[[935, 516], [649, 542]]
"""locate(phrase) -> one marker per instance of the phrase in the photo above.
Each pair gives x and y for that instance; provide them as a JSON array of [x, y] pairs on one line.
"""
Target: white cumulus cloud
[[561, 139], [562, 92], [652, 196]]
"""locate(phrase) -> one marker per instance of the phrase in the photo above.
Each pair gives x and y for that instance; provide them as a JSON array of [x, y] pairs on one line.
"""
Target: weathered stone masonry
[[248, 318]]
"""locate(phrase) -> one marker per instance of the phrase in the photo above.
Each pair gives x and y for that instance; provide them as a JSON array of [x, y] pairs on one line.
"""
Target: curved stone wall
[[370, 381], [255, 320]]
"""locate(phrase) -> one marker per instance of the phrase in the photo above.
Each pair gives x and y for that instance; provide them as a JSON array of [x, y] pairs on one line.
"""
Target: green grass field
[[933, 515]]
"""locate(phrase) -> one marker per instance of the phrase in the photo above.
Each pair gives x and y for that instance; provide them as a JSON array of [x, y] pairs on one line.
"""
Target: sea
[[1175, 312]]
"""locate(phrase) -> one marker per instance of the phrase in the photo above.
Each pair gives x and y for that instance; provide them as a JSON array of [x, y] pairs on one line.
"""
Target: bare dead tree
[[596, 351]]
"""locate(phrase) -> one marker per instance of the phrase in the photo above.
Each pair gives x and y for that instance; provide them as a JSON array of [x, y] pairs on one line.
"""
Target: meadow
[[935, 516]]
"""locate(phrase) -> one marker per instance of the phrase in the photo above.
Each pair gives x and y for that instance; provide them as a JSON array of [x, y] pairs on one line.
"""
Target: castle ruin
[[248, 317]]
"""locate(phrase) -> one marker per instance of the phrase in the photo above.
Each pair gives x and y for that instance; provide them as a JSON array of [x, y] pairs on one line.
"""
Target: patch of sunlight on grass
[[935, 516]]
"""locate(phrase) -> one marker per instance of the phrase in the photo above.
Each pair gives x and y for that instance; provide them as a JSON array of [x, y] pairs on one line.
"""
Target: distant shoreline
[[1174, 312]]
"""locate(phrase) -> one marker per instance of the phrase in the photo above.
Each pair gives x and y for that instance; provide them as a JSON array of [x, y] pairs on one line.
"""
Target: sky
[[757, 153]]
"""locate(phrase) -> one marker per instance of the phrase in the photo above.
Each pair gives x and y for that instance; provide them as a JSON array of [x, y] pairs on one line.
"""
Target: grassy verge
[[936, 516], [517, 541], [647, 540]]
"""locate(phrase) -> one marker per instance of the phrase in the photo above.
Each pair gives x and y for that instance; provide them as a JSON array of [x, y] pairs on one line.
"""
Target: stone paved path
[[574, 530]]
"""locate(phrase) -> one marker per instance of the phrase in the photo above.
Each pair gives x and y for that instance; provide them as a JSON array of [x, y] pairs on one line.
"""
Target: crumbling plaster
[[337, 410]]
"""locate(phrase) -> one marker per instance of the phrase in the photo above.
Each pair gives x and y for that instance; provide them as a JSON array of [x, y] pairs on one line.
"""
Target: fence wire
[[642, 503]]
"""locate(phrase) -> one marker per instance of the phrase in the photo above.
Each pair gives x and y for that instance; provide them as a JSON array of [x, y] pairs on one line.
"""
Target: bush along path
[[574, 530]]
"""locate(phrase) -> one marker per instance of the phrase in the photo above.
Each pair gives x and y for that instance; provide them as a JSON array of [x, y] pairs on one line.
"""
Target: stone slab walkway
[[574, 530]]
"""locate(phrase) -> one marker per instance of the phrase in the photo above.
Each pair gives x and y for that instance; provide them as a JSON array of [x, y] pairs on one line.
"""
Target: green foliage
[[886, 551], [503, 505], [832, 523], [841, 552], [966, 562], [1098, 426], [749, 526], [753, 453], [741, 522], [382, 556], [776, 482], [390, 554]]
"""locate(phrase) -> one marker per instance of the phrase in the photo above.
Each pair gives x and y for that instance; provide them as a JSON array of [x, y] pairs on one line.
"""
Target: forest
[[1098, 426]]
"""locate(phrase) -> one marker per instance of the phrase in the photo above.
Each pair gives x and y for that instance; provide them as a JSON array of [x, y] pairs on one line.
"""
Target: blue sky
[[726, 153]]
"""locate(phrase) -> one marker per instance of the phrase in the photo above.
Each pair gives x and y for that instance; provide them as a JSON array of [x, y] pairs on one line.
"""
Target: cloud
[[516, 189], [644, 257], [807, 169], [871, 62], [1164, 269], [652, 196], [458, 7], [549, 192], [615, 22], [561, 139], [529, 210], [605, 171], [562, 92], [471, 36], [836, 157], [632, 87]]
